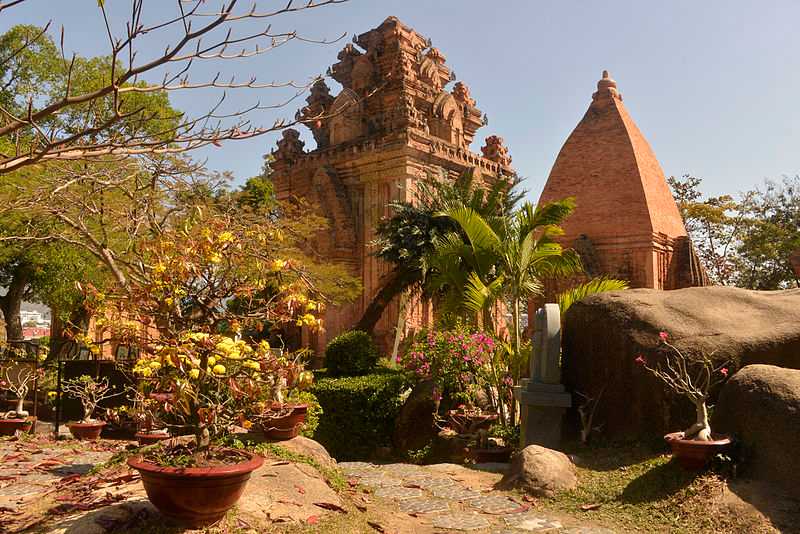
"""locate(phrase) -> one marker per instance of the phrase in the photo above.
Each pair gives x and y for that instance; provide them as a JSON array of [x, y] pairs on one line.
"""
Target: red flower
[[640, 360], [663, 336], [724, 371]]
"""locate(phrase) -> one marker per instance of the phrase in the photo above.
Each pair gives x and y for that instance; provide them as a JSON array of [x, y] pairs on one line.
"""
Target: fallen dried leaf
[[300, 489], [376, 526], [587, 507], [312, 520]]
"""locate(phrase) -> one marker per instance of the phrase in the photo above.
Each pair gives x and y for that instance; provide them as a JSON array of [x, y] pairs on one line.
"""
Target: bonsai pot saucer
[[150, 438]]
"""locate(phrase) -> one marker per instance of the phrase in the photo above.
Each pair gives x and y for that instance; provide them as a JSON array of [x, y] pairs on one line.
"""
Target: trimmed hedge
[[358, 412], [351, 353]]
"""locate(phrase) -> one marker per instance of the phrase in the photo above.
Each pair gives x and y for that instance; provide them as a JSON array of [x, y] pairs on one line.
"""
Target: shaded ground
[[48, 486]]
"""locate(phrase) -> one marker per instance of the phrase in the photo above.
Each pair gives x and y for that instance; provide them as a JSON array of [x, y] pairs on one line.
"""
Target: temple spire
[[607, 86]]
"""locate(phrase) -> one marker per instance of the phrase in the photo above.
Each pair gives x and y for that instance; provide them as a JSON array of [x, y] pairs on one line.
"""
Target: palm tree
[[408, 238], [502, 258]]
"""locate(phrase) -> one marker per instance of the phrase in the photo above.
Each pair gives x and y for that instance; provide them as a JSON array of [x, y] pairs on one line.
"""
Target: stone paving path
[[450, 504], [27, 468]]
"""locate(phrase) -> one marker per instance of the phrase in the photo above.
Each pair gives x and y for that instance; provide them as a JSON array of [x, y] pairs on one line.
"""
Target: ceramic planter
[[86, 431], [8, 427], [463, 423], [150, 438], [286, 425], [694, 454], [195, 496], [500, 455]]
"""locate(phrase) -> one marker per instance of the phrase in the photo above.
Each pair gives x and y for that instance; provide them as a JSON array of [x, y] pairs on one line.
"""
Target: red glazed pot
[[195, 496], [491, 455], [148, 438], [693, 454], [86, 431], [8, 427]]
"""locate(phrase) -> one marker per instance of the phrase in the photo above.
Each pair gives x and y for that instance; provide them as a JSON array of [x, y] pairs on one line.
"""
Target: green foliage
[[351, 353], [745, 240], [314, 410], [359, 412], [581, 291]]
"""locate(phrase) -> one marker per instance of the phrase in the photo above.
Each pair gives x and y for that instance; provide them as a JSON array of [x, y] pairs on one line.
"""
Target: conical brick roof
[[610, 169]]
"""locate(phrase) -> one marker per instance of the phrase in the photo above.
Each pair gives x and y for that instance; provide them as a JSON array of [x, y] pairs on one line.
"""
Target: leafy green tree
[[407, 239]]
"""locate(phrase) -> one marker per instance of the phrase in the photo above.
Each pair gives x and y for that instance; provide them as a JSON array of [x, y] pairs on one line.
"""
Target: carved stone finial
[[313, 115], [290, 147], [461, 94], [496, 151]]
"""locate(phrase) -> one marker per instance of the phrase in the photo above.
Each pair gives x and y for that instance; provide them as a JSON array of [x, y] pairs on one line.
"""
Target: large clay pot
[[694, 454], [86, 431], [150, 438], [8, 427], [195, 496], [500, 455], [281, 433], [287, 425]]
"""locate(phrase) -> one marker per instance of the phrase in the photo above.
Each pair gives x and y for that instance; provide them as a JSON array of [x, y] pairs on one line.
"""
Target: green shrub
[[359, 412], [351, 353], [313, 414]]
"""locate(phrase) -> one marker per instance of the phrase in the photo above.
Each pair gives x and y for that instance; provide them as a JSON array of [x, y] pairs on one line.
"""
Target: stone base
[[542, 407]]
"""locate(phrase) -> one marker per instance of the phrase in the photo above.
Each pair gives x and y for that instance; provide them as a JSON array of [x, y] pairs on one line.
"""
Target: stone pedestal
[[543, 399], [542, 409]]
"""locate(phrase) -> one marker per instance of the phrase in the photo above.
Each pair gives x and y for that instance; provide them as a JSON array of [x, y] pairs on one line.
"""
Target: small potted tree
[[90, 393], [16, 379], [693, 379], [285, 374]]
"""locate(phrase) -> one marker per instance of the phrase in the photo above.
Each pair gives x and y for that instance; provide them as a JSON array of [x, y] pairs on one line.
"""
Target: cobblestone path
[[449, 504]]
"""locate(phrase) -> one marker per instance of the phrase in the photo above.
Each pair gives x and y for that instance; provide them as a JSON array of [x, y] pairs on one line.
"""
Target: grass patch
[[642, 490]]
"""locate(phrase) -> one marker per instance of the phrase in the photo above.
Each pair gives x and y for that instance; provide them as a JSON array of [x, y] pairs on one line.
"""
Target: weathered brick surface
[[391, 125], [624, 205]]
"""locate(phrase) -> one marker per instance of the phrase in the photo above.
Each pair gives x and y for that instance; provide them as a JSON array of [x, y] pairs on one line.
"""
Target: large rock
[[760, 406], [414, 428], [540, 471], [603, 334]]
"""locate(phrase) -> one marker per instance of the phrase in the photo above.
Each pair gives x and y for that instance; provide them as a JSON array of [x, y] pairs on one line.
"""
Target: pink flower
[[663, 335], [640, 360], [724, 371]]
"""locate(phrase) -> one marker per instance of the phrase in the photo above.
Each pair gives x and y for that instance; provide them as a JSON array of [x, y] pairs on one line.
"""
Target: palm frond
[[592, 287]]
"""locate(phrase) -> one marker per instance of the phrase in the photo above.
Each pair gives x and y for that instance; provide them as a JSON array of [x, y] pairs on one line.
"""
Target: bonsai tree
[[16, 379], [90, 392], [691, 378]]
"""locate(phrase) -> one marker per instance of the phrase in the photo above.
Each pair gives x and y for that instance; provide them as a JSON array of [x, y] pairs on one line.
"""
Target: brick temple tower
[[626, 223], [393, 123]]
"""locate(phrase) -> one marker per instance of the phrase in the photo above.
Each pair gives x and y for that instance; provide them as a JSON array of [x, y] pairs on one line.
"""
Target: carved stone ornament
[[496, 151], [290, 147], [461, 94]]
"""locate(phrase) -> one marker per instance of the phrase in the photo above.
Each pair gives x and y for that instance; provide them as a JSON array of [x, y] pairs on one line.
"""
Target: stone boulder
[[760, 407], [540, 471], [414, 428], [603, 334]]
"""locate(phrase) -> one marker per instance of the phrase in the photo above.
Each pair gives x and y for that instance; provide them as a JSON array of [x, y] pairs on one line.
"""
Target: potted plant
[[693, 379], [280, 419], [90, 393], [143, 412], [16, 379]]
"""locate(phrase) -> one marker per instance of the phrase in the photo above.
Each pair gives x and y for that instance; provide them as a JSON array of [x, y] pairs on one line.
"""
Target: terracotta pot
[[694, 454], [150, 438], [281, 433], [8, 427], [86, 431], [295, 416], [491, 455], [469, 423], [195, 496]]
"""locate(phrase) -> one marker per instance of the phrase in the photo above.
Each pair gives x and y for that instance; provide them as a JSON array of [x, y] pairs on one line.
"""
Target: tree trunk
[[701, 430], [11, 302], [395, 285]]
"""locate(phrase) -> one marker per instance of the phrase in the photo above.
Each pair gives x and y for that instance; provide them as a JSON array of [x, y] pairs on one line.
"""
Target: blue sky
[[714, 85]]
